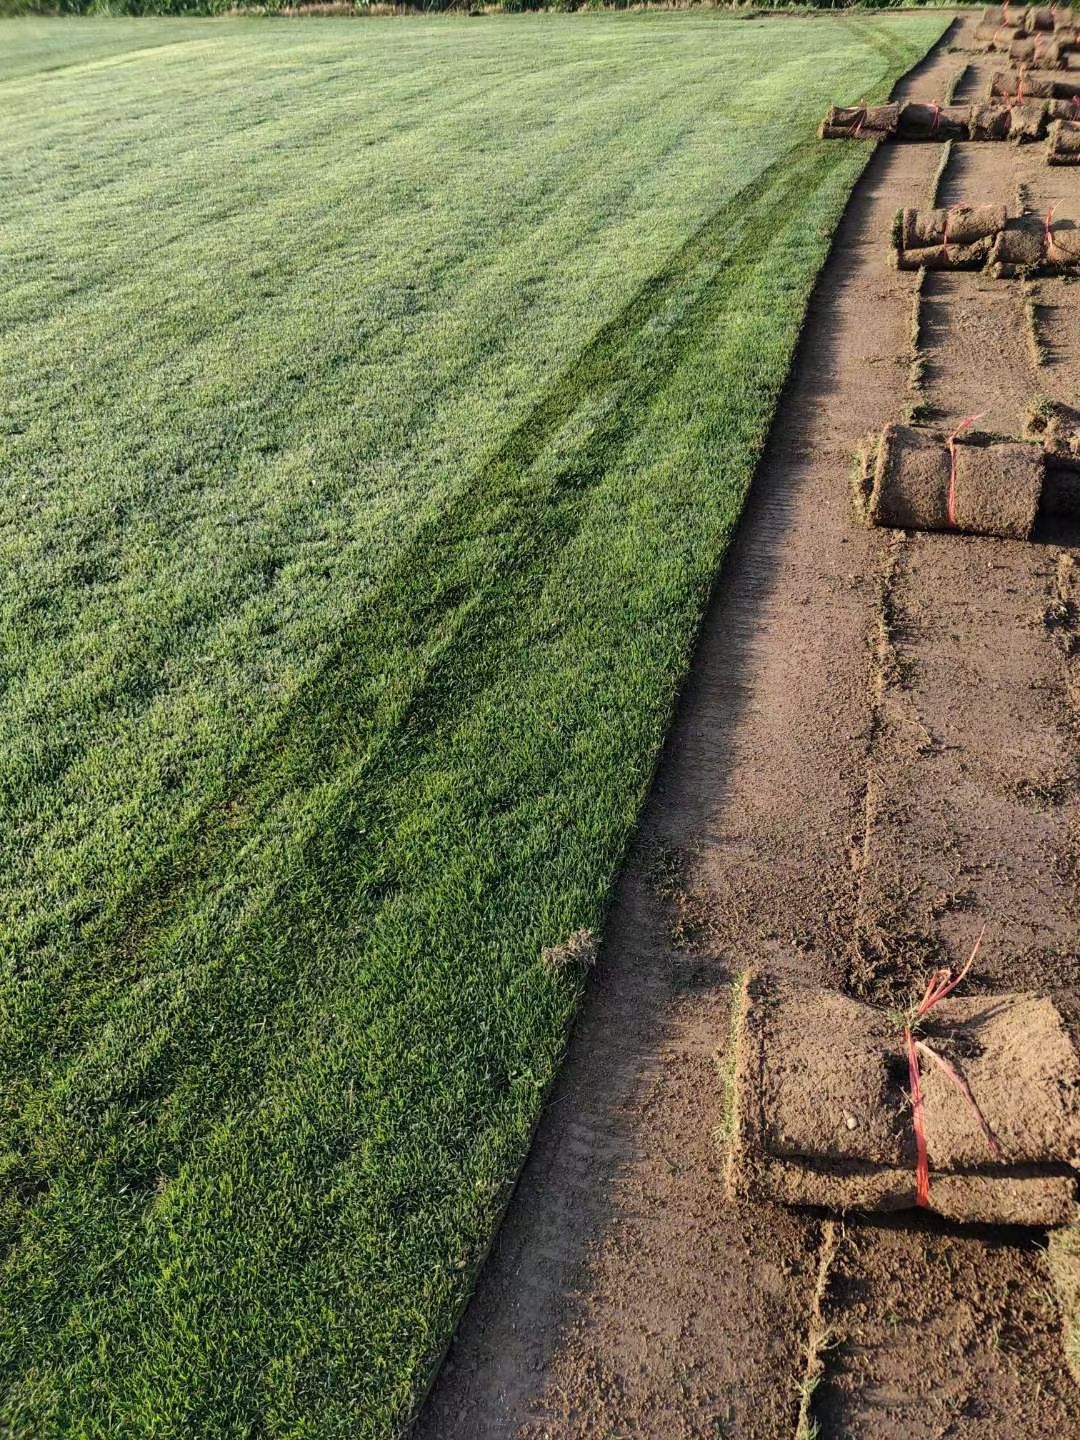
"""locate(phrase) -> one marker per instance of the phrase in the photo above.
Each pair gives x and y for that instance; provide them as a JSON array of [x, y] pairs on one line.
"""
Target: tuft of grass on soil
[[1064, 1261], [379, 402]]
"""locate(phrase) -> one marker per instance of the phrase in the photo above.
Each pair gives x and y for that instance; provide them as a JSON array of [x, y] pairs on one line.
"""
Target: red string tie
[[950, 506], [1048, 232], [940, 985]]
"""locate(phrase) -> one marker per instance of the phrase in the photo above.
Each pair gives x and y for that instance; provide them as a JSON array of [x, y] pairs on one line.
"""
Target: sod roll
[[1049, 244], [946, 257], [958, 238], [910, 481], [995, 489], [1027, 84], [1039, 17], [989, 121], [822, 1113], [918, 121], [860, 122], [1037, 50], [1063, 143], [1062, 243], [1028, 120], [962, 223], [998, 489], [998, 36]]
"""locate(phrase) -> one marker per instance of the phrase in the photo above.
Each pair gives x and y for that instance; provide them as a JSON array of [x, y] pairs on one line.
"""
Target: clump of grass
[[1039, 414], [728, 1062], [1063, 1258], [1036, 344], [896, 230], [933, 197], [819, 1334], [956, 79], [863, 463], [917, 407], [578, 952]]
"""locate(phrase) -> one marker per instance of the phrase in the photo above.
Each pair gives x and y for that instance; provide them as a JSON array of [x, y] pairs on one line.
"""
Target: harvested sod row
[[957, 237], [998, 119], [349, 577], [1021, 84], [970, 237]]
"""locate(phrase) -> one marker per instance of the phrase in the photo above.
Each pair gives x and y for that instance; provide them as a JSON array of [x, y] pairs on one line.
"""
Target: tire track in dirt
[[938, 1330], [625, 1295]]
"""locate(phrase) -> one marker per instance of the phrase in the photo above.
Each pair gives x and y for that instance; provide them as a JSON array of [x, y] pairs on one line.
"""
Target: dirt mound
[[823, 1117]]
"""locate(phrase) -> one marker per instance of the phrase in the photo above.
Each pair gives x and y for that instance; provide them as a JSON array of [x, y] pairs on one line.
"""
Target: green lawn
[[377, 401]]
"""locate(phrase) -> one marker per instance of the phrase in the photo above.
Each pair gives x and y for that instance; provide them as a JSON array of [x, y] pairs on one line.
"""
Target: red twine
[[937, 116], [1048, 232], [950, 506], [940, 985], [945, 232]]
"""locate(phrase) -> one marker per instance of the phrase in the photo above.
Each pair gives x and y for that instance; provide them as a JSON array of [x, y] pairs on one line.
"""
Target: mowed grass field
[[378, 400]]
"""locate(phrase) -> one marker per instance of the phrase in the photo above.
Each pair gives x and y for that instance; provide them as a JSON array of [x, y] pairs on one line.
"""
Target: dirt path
[[873, 753]]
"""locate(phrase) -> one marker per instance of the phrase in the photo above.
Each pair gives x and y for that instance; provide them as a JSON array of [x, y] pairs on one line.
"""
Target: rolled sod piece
[[997, 487], [963, 223], [1049, 245], [1039, 17], [958, 238], [918, 121], [1063, 144], [1061, 250], [1062, 110], [822, 1114], [989, 121], [999, 36], [859, 122], [946, 257], [1028, 120], [1038, 50], [1030, 86]]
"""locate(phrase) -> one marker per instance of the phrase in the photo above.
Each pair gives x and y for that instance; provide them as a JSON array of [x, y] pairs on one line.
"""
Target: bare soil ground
[[874, 755]]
